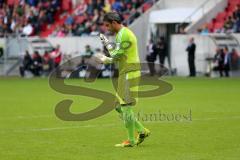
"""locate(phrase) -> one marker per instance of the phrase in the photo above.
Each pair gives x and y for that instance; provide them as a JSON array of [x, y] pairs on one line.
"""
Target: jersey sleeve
[[119, 51]]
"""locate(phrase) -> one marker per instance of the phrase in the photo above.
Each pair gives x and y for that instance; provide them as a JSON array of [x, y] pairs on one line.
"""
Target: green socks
[[139, 127], [130, 121]]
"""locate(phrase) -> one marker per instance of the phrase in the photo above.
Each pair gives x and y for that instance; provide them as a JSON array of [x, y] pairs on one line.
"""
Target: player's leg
[[134, 79], [125, 110], [129, 121], [138, 125], [127, 95], [128, 118]]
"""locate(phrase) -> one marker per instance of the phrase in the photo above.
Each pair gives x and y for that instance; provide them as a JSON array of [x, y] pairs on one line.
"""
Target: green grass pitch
[[29, 129]]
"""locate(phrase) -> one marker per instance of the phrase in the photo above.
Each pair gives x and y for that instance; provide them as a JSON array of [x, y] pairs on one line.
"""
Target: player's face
[[109, 26]]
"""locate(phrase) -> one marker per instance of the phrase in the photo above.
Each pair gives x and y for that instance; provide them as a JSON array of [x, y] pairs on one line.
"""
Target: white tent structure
[[173, 15]]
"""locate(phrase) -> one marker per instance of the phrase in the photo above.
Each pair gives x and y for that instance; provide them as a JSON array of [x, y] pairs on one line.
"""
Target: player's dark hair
[[112, 16]]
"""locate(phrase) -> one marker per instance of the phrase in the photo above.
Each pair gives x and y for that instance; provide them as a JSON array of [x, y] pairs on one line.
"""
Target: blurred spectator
[[161, 51], [228, 25], [96, 16], [70, 19], [26, 17], [90, 7], [236, 13], [1, 50], [94, 30], [2, 28], [99, 5], [107, 6], [48, 64], [26, 64], [236, 26], [219, 58], [37, 64], [31, 17], [191, 48], [32, 2], [226, 61], [56, 55], [60, 32], [117, 6], [234, 59], [88, 51], [27, 29], [151, 58], [204, 30], [87, 18], [82, 8]]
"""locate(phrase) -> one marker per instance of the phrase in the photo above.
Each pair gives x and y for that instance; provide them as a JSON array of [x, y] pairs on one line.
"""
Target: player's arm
[[119, 50], [115, 50], [100, 58]]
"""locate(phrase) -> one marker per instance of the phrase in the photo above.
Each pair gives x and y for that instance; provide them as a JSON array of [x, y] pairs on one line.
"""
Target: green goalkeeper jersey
[[125, 54]]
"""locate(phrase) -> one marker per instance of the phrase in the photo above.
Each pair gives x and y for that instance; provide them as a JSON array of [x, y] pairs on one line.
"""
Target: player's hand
[[100, 58], [104, 39], [105, 42]]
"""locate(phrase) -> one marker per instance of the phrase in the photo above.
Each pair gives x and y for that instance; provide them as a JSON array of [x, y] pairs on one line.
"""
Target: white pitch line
[[221, 118], [108, 125], [28, 117], [70, 127], [57, 128], [54, 116]]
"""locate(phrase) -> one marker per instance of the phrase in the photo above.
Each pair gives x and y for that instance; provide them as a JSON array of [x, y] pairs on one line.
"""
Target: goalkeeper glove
[[100, 58], [106, 42]]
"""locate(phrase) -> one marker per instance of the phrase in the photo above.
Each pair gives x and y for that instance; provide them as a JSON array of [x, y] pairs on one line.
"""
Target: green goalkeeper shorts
[[127, 88]]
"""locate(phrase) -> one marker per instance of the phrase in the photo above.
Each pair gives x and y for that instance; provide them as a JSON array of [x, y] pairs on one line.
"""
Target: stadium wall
[[76, 45], [206, 47]]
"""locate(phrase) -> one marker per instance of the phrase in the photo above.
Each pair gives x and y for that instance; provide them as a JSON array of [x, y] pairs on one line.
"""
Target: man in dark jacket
[[26, 64], [226, 61], [219, 58], [151, 58], [191, 57], [37, 64]]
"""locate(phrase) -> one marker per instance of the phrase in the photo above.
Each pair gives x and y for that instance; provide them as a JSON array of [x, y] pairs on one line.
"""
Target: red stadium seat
[[218, 25], [210, 26], [79, 19], [218, 22], [12, 2], [146, 6], [229, 14], [230, 9], [66, 5], [126, 16], [234, 2], [221, 16]]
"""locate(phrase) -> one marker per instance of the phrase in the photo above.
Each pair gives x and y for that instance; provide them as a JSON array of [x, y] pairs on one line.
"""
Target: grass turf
[[29, 128]]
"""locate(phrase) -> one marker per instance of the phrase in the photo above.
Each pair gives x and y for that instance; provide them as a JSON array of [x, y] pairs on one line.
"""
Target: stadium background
[[60, 30]]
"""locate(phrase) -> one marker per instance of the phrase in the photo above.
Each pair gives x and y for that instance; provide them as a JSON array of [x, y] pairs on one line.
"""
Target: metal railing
[[202, 10], [199, 11]]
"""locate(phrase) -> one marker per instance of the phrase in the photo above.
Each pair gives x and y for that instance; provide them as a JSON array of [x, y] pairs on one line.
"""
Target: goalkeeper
[[125, 55]]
